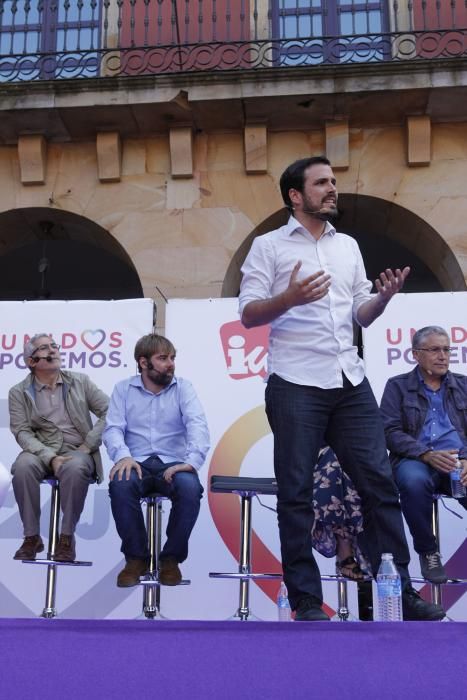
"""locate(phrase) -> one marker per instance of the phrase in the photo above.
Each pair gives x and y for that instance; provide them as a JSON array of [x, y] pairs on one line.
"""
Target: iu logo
[[245, 349]]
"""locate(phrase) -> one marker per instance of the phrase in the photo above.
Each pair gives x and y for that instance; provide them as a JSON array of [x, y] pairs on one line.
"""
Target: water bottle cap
[[386, 556]]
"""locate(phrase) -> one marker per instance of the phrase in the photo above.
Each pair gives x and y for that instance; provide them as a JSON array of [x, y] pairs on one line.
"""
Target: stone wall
[[182, 233]]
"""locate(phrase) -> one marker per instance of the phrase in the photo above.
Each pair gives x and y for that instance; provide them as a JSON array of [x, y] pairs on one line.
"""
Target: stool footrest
[[52, 562], [335, 577], [449, 582], [155, 582], [238, 575]]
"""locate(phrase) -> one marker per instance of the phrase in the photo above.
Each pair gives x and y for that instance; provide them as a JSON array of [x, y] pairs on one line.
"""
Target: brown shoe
[[169, 572], [31, 546], [131, 573], [65, 550]]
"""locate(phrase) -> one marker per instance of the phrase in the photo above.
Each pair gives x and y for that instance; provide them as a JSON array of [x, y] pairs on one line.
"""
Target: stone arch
[[389, 236], [48, 253]]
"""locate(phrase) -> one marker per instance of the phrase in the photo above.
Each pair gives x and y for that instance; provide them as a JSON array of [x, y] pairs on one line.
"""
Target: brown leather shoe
[[131, 573], [31, 546], [169, 572], [65, 550]]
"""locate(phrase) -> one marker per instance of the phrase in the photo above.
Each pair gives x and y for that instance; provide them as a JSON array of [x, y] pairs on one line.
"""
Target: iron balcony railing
[[52, 39]]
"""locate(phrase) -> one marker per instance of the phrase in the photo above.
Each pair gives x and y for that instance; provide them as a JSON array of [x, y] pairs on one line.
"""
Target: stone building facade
[[155, 184]]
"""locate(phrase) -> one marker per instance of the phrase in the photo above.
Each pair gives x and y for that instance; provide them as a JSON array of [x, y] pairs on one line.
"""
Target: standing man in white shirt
[[157, 436], [309, 282]]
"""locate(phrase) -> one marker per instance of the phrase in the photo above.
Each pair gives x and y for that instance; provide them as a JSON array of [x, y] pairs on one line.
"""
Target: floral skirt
[[337, 508]]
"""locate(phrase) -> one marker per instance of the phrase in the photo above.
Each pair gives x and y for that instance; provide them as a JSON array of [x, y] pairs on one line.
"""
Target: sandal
[[350, 568]]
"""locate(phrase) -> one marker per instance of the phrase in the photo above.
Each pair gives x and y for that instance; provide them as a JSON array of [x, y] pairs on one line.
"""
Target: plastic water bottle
[[284, 614], [388, 583], [458, 489]]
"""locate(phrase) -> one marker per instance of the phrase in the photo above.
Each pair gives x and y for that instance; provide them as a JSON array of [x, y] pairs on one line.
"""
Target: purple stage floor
[[121, 659]]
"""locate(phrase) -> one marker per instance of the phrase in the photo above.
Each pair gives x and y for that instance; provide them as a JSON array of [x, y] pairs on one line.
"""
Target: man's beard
[[326, 216], [160, 378], [329, 215]]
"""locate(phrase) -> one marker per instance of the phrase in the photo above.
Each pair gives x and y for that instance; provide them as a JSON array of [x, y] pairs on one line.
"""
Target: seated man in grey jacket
[[50, 417]]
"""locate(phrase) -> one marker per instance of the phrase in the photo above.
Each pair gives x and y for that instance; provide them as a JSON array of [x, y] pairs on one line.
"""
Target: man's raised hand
[[389, 282], [306, 290]]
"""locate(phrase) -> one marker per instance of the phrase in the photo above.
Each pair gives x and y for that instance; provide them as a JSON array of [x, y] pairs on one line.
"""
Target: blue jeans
[[185, 492], [418, 483], [302, 419]]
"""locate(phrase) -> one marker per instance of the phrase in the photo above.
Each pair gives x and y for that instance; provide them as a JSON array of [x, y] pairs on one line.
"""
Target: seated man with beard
[[157, 437]]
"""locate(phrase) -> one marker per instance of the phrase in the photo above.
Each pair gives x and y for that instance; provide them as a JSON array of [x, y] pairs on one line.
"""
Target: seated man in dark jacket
[[425, 419]]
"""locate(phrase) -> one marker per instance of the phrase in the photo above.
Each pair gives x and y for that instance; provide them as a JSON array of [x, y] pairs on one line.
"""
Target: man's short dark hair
[[150, 344], [293, 176]]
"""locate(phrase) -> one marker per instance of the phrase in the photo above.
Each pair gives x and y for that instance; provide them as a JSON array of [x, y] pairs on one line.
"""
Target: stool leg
[[343, 611], [49, 610], [245, 557], [151, 594], [436, 595]]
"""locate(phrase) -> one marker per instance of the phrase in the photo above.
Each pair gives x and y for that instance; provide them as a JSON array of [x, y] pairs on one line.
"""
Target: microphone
[[324, 212], [150, 366], [318, 211], [48, 358]]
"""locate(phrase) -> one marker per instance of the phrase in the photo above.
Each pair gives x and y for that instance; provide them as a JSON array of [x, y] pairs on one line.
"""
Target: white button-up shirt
[[310, 344]]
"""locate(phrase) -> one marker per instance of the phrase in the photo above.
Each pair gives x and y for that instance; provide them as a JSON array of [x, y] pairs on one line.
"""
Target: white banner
[[388, 341], [387, 352], [98, 338], [226, 363]]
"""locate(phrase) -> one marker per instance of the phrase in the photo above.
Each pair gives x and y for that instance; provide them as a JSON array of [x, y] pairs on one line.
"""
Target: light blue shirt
[[438, 432], [171, 424]]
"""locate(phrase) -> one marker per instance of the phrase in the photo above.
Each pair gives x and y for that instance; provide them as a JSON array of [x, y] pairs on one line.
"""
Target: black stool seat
[[244, 485]]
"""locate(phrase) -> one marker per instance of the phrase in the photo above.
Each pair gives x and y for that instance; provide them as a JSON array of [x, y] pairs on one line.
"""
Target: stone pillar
[[181, 151], [337, 143], [32, 156], [418, 140], [255, 140], [109, 156]]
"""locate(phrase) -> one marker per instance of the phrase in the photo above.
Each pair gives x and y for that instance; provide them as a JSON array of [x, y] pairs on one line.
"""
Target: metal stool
[[436, 594], [436, 591], [150, 582], [50, 610], [436, 588], [246, 488], [343, 613]]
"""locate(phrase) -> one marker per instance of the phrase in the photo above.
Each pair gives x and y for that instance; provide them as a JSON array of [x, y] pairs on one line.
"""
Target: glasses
[[43, 348], [436, 351]]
